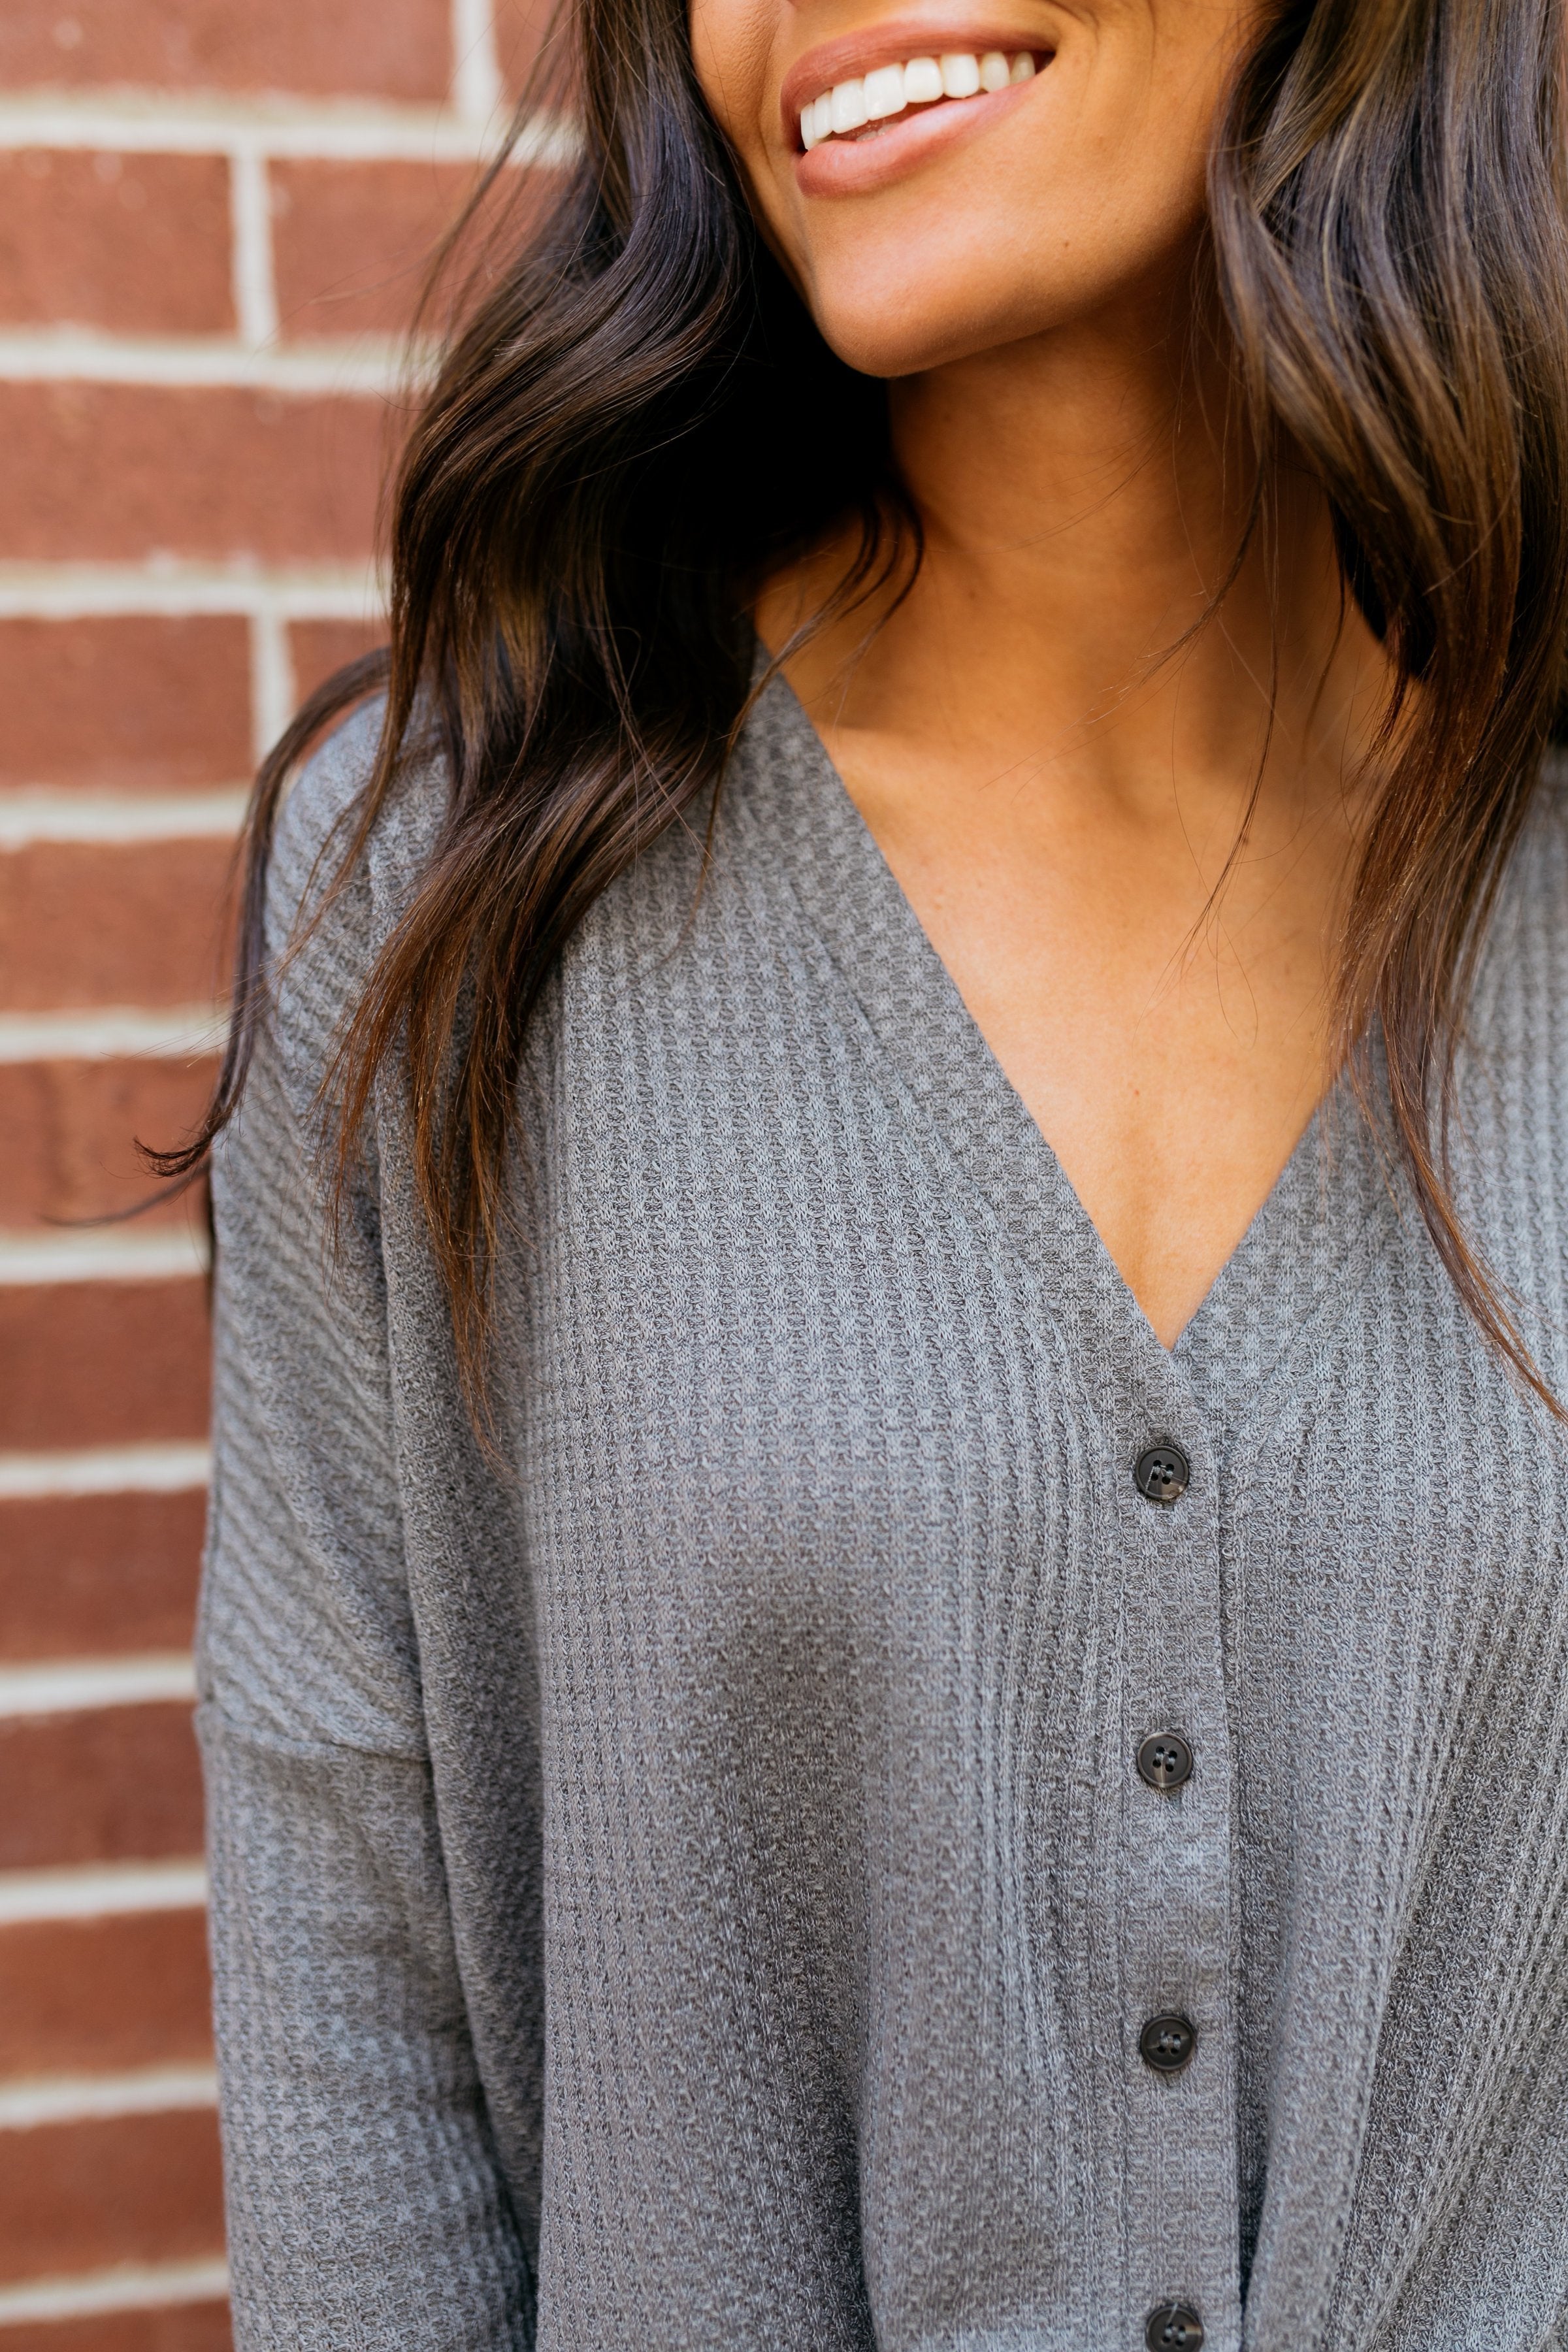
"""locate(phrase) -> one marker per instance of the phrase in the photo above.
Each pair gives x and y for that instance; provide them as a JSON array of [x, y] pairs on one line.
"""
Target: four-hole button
[[1166, 1761], [1167, 2042], [1174, 2327], [1162, 1473]]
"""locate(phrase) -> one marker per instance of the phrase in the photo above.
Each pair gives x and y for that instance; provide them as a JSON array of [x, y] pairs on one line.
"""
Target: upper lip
[[886, 45]]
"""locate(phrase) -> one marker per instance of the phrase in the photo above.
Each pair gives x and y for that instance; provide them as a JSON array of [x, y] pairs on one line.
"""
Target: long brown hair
[[638, 420]]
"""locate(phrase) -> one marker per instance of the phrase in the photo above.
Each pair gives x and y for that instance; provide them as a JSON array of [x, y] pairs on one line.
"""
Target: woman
[[884, 1652]]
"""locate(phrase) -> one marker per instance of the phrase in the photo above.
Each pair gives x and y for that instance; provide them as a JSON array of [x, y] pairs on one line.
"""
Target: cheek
[[732, 45]]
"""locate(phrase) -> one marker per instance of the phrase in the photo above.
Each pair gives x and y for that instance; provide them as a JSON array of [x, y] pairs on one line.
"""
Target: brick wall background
[[211, 220]]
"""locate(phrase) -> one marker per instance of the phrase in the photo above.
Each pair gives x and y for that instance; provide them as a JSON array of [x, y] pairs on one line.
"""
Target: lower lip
[[853, 167]]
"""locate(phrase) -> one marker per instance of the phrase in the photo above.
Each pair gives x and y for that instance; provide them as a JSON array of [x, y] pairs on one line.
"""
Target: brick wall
[[211, 218]]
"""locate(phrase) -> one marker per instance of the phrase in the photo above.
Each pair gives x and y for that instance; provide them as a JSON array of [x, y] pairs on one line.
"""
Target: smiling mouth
[[888, 95]]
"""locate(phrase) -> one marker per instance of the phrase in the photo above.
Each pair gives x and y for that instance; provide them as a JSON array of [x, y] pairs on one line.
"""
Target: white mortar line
[[179, 1032], [48, 812], [292, 131], [250, 217], [167, 1469], [104, 1253], [72, 1687], [476, 69], [74, 592], [88, 2098], [333, 131], [272, 696], [29, 1898], [376, 366], [141, 2286]]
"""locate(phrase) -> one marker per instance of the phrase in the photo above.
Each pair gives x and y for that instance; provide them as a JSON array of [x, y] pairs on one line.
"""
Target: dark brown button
[[1174, 2327], [1162, 1473], [1166, 1761], [1167, 2042]]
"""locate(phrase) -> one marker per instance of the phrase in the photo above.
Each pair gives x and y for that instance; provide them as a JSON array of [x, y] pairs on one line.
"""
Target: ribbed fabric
[[689, 1891]]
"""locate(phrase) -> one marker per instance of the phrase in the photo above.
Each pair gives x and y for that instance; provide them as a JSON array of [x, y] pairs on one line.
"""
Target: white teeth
[[885, 92], [888, 91], [849, 105]]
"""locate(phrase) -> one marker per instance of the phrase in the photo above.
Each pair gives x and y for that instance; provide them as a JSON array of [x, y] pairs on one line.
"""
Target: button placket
[[1177, 2028]]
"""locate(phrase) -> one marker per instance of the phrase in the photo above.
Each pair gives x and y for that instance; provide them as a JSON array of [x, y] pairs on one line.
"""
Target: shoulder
[[1542, 857], [1524, 956], [319, 818], [331, 905], [329, 901], [1510, 1141]]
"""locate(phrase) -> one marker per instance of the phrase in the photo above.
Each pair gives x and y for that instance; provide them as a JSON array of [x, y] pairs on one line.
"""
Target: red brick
[[132, 704], [69, 1132], [102, 1363], [115, 1784], [351, 241], [87, 1575], [521, 26], [383, 49], [125, 2189], [117, 472], [79, 1996], [138, 244], [179, 2328], [113, 923], [317, 648]]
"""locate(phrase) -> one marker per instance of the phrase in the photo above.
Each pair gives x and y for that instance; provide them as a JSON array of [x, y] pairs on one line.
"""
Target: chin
[[886, 317], [908, 330], [912, 347]]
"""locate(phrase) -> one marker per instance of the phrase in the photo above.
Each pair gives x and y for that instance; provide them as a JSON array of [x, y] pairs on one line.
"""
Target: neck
[[1082, 502]]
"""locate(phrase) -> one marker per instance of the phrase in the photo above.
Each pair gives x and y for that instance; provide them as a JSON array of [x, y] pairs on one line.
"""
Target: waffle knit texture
[[688, 1889]]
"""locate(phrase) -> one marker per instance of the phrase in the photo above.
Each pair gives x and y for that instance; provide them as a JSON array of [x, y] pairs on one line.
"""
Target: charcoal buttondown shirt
[[696, 1887]]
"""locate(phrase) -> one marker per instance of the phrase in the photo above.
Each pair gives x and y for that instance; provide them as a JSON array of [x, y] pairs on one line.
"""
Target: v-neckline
[[1329, 1205]]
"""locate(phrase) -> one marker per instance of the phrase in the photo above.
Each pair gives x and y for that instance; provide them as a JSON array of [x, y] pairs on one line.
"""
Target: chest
[[836, 1374], [1153, 981]]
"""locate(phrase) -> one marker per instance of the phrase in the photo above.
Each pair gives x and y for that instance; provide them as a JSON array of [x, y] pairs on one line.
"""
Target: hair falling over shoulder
[[580, 518]]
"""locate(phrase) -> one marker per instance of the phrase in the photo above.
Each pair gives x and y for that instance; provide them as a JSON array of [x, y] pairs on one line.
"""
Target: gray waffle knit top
[[689, 1888]]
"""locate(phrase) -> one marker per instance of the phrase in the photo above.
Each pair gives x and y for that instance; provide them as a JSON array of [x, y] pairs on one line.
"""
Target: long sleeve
[[366, 2205]]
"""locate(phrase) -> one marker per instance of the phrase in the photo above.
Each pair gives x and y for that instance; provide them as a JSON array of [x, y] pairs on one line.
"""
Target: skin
[[1065, 802]]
